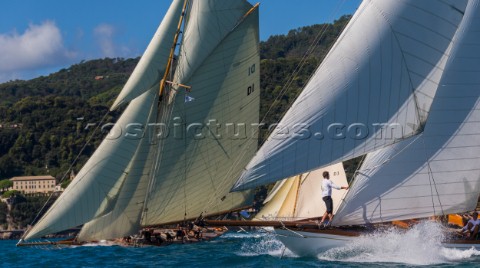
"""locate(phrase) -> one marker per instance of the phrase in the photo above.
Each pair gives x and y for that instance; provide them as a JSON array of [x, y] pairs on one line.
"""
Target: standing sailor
[[327, 186]]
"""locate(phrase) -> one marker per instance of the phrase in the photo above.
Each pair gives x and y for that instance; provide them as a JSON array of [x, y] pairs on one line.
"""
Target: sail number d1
[[251, 89]]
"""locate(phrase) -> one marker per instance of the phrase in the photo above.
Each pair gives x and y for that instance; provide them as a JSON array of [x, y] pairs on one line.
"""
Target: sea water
[[419, 246]]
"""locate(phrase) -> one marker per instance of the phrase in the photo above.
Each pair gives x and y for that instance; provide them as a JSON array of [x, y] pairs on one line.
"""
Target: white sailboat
[[412, 64], [170, 156]]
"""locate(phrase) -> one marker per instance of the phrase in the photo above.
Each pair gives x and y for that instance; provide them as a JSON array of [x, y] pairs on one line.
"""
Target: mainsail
[[365, 94], [437, 173], [299, 197], [195, 174], [173, 156]]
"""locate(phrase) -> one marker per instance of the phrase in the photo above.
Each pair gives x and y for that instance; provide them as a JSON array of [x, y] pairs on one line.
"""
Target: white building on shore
[[34, 184]]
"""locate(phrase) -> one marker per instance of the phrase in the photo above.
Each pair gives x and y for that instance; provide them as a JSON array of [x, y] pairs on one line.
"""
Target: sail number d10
[[251, 70]]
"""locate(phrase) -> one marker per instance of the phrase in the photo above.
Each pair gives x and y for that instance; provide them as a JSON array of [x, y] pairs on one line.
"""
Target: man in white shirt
[[472, 226], [327, 186]]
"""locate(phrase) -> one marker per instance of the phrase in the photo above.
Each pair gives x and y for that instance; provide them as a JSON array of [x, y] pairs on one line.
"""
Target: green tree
[[5, 184], [10, 193]]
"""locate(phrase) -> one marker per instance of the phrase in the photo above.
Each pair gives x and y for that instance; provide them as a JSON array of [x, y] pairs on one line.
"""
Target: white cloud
[[39, 46], [104, 34]]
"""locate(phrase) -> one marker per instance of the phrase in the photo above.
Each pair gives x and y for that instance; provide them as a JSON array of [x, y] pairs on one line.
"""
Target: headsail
[[439, 172], [97, 184], [210, 140], [151, 66], [124, 216], [364, 95], [306, 201]]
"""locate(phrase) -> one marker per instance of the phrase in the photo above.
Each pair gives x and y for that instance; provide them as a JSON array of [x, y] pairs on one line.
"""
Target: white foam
[[420, 245], [265, 243]]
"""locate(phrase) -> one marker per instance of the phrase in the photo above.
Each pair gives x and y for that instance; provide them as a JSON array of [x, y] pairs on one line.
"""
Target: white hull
[[311, 244], [305, 243]]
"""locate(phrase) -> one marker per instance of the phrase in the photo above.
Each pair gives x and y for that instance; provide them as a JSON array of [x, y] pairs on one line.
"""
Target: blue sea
[[247, 249]]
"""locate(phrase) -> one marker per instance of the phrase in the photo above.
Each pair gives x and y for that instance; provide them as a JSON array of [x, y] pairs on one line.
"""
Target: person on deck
[[327, 186], [472, 226]]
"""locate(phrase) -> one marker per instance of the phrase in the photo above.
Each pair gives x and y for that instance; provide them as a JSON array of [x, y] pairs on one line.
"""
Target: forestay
[[439, 172], [364, 95], [209, 142]]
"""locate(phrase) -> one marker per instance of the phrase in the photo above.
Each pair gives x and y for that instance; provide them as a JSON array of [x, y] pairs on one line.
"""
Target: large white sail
[[124, 217], [101, 178], [151, 67], [439, 172], [196, 169], [364, 95], [300, 197]]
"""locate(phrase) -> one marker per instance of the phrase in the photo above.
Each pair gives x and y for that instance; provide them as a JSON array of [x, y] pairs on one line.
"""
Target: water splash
[[420, 245], [261, 243]]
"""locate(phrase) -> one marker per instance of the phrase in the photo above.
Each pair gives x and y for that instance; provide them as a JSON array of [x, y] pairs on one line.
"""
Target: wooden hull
[[462, 244], [207, 234]]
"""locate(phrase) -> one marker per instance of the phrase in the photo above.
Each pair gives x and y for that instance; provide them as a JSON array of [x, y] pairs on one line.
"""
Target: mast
[[172, 50], [153, 62], [219, 46]]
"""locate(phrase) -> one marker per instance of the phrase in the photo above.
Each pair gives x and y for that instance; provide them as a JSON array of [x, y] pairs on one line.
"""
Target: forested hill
[[44, 120]]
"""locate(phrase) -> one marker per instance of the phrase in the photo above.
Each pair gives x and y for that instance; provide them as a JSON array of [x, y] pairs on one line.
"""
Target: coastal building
[[34, 184]]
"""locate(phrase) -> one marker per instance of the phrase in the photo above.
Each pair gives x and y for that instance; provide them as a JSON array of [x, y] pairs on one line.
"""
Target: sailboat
[[400, 86], [172, 155]]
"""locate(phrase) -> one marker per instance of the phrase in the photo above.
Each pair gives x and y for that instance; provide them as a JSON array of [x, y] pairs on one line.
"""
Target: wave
[[420, 245]]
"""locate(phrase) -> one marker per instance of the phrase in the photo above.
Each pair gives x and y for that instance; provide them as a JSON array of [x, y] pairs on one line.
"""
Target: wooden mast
[[172, 49]]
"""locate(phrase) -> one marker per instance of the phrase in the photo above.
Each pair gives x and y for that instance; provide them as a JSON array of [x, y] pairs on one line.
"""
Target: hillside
[[44, 120]]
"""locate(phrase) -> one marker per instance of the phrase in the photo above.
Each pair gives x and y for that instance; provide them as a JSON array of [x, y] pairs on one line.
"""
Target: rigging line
[[69, 170], [224, 181], [414, 139], [167, 107], [240, 21], [300, 66], [287, 85], [283, 92], [343, 200], [185, 161], [360, 171], [432, 179], [163, 114]]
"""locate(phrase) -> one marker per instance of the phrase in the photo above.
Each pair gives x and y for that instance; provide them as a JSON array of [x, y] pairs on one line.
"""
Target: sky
[[41, 37]]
